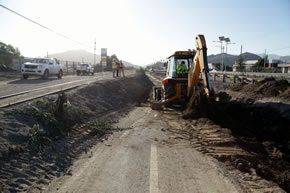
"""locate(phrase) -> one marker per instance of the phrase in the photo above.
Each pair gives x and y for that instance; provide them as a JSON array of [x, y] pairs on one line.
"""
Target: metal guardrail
[[237, 77], [247, 76]]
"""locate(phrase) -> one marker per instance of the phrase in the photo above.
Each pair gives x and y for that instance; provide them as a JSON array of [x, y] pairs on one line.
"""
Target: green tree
[[7, 52], [260, 62], [218, 66], [241, 65]]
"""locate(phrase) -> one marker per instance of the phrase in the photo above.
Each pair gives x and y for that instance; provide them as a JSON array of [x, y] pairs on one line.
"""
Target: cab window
[[171, 70]]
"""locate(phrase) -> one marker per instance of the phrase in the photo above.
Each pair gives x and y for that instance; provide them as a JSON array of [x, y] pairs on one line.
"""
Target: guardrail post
[[224, 78], [67, 68], [235, 79], [214, 77], [73, 67]]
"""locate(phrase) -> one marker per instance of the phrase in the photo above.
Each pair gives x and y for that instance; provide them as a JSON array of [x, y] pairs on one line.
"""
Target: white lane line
[[153, 181]]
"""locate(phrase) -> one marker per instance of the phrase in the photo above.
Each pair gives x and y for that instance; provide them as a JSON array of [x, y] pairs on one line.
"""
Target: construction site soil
[[22, 169], [249, 131]]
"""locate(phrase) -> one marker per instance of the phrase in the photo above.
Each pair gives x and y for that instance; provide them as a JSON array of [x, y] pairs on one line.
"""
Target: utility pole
[[221, 39], [223, 64], [228, 41], [95, 52], [265, 59], [241, 55]]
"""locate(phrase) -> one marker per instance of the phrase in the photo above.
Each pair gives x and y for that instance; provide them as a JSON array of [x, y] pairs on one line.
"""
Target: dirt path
[[144, 159]]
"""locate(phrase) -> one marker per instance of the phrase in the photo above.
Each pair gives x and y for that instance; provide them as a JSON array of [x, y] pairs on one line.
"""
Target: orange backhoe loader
[[187, 77]]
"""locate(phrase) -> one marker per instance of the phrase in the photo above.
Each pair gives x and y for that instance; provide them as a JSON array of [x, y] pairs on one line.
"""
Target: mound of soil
[[268, 87], [260, 128], [104, 97]]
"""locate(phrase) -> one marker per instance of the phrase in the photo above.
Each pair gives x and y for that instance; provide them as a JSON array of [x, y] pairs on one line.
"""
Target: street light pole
[[228, 41], [221, 39]]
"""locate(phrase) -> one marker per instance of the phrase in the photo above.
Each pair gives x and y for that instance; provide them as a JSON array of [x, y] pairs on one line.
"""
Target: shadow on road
[[32, 81]]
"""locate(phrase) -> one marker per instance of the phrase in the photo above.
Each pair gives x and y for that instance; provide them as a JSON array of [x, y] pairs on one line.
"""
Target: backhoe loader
[[190, 83]]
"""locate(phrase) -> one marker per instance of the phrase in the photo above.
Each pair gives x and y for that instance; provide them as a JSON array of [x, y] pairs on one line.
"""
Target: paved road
[[20, 85], [144, 159], [15, 91]]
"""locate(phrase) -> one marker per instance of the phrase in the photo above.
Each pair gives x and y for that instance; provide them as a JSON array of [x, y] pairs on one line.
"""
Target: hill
[[230, 59], [83, 56]]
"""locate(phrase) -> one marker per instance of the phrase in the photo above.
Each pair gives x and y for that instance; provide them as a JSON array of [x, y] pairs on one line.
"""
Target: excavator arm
[[199, 64]]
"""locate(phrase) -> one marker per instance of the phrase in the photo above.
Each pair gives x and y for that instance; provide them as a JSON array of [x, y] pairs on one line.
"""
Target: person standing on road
[[122, 69], [117, 67], [114, 68]]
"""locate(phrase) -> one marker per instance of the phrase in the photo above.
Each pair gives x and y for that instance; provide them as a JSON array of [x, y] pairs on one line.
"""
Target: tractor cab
[[179, 63], [177, 73]]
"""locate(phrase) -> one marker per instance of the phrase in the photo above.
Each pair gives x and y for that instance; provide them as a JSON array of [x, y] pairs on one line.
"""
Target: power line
[[47, 28], [288, 47]]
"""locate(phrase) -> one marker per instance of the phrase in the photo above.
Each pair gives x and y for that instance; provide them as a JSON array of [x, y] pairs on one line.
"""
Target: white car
[[85, 69], [44, 67]]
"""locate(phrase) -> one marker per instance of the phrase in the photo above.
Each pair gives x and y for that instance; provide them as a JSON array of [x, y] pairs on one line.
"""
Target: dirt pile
[[268, 87], [260, 163], [106, 96], [26, 170], [260, 129]]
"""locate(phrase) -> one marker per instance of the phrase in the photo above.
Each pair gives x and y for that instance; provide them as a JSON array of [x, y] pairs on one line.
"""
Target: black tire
[[60, 73], [45, 75], [25, 76]]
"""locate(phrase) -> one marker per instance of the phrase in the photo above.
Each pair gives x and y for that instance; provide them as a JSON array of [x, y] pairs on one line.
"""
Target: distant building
[[285, 67], [248, 65], [212, 66], [273, 63]]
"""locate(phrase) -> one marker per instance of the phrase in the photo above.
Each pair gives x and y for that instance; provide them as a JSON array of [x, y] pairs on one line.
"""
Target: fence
[[238, 77]]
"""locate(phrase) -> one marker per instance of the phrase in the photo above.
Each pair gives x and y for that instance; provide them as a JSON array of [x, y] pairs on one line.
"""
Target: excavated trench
[[260, 128]]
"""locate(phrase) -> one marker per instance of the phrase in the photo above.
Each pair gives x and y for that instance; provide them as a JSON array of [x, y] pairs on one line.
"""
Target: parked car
[[44, 67], [85, 69]]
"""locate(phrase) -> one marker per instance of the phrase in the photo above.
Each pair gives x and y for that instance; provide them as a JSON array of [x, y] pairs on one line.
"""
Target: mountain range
[[229, 59], [83, 56]]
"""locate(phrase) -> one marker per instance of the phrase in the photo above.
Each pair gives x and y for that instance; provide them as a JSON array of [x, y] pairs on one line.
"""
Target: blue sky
[[143, 31]]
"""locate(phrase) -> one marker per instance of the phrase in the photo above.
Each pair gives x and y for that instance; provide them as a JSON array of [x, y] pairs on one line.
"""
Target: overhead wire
[[47, 28], [288, 47]]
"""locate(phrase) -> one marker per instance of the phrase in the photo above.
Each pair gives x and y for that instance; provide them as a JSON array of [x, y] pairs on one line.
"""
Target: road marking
[[153, 181]]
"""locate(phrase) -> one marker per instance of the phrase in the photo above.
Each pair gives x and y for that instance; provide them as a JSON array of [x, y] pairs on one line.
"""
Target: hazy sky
[[143, 31]]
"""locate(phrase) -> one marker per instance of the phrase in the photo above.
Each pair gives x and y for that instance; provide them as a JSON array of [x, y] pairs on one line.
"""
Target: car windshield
[[39, 60]]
